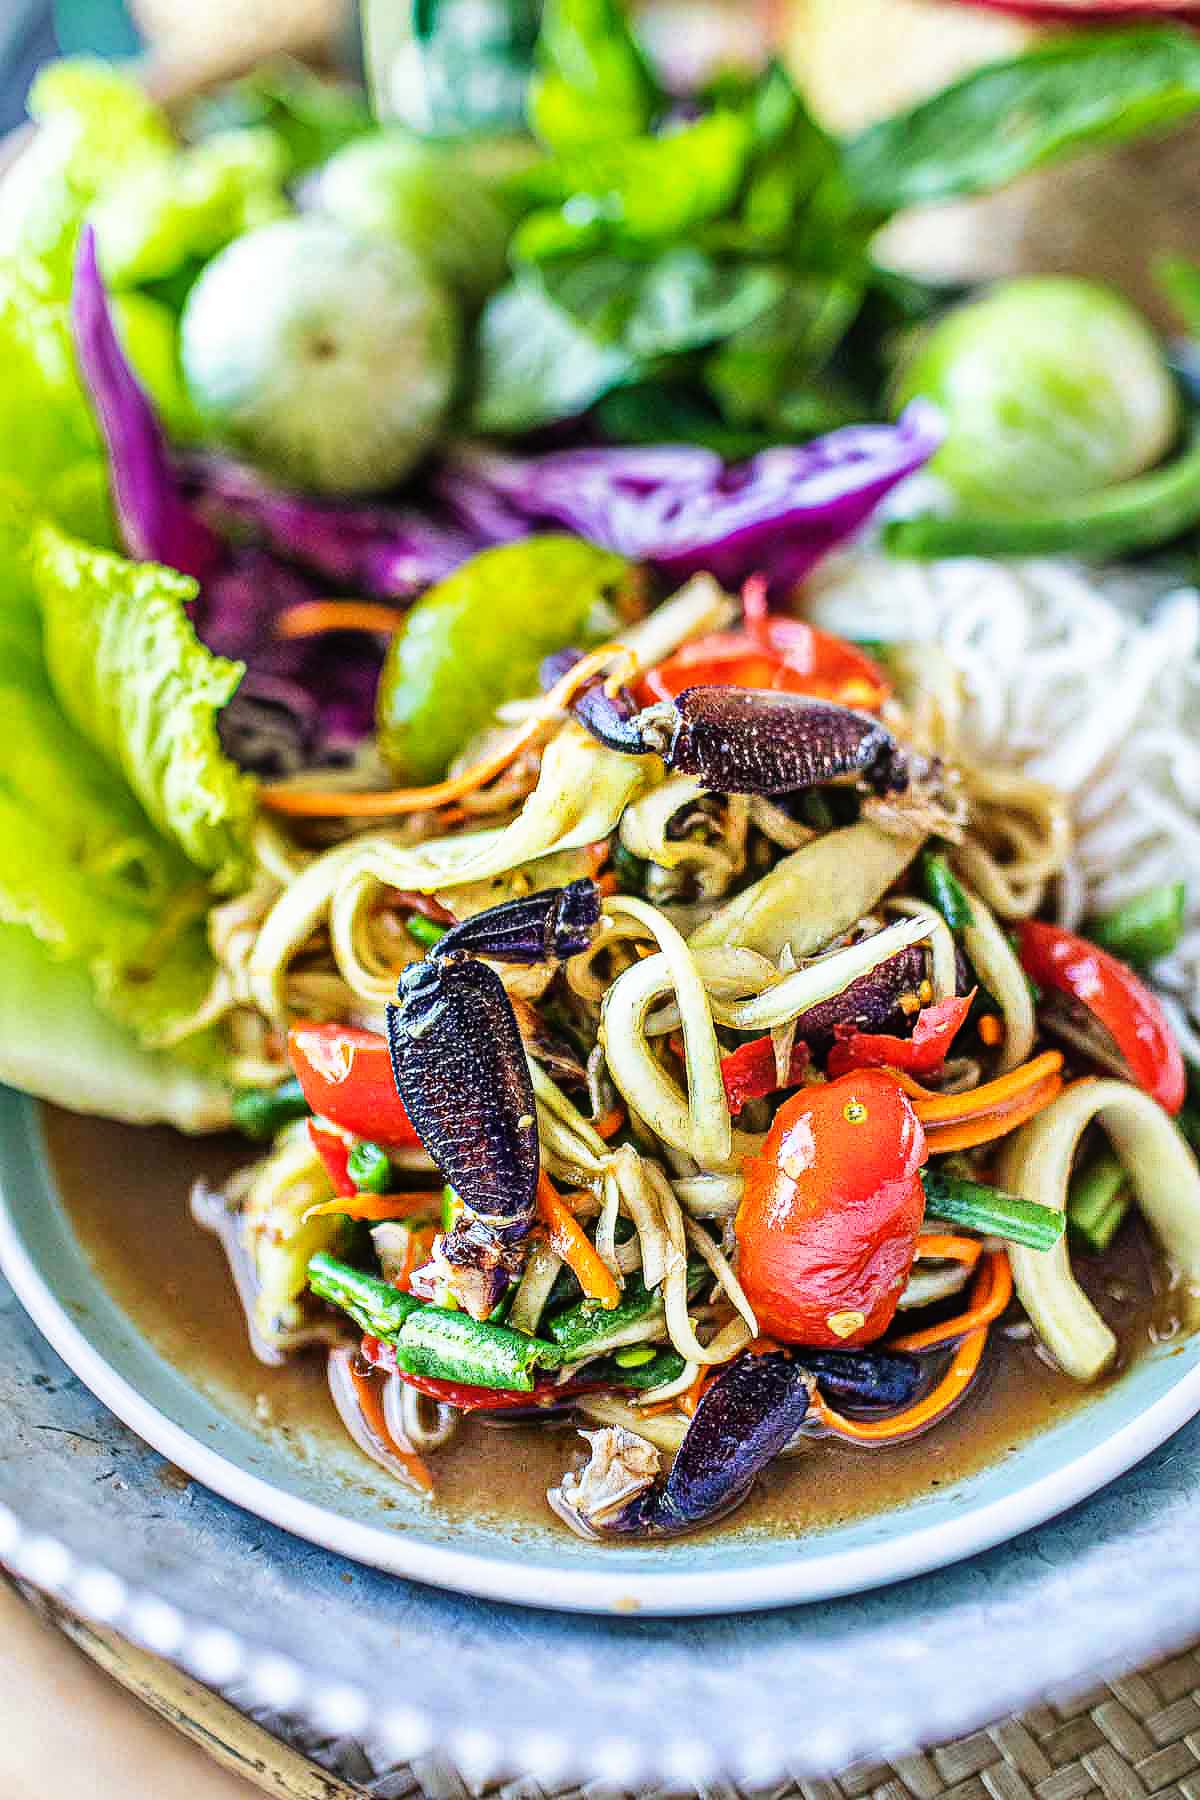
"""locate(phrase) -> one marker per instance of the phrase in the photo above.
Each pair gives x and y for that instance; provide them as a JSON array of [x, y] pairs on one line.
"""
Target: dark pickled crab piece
[[880, 1380], [743, 1421], [551, 927], [740, 740], [460, 1067]]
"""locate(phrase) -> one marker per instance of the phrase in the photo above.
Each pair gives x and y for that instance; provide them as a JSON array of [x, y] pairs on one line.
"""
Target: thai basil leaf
[[536, 364], [592, 83], [665, 412], [678, 301], [1006, 118], [769, 365], [638, 194]]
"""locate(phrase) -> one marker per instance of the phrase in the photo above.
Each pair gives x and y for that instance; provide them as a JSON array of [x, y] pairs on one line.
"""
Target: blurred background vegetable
[[427, 199], [339, 375], [1050, 388]]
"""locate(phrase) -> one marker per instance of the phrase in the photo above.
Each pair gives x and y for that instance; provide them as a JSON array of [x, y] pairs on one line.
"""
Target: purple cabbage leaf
[[684, 509]]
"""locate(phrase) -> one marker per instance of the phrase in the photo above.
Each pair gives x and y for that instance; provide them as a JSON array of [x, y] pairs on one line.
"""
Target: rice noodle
[[1084, 680]]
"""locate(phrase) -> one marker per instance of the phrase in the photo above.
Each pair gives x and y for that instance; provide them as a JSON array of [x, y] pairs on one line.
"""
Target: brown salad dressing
[[126, 1193]]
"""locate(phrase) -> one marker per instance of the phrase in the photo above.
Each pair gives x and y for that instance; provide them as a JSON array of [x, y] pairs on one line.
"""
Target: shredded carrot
[[990, 1029], [607, 883], [935, 1109], [368, 1399], [568, 1239], [691, 1397], [942, 1138], [990, 1294], [982, 1310], [976, 1116], [609, 1123], [947, 1247], [312, 617], [326, 803], [378, 1206]]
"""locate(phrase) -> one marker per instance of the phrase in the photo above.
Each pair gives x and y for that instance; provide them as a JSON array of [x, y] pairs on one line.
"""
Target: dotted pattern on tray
[[1133, 1739]]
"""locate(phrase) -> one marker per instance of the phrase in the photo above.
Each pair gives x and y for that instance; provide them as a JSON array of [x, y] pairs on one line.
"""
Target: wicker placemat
[[1137, 1738]]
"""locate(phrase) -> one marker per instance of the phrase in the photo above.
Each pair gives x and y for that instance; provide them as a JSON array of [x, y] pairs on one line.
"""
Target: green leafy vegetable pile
[[708, 273]]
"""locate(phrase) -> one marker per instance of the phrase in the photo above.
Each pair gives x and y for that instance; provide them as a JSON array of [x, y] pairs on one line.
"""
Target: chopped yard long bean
[[1098, 1201], [990, 1210], [1146, 927], [429, 1340], [590, 1330], [261, 1112]]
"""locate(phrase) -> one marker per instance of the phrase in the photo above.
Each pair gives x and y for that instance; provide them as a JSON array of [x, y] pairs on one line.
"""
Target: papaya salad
[[646, 760]]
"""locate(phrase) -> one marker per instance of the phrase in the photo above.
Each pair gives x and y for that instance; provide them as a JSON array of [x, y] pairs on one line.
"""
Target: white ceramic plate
[[338, 1503]]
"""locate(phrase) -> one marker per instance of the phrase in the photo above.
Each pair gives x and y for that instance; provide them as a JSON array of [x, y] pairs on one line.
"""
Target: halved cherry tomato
[[346, 1075], [749, 1072], [333, 1147], [828, 1224], [771, 652], [1111, 991], [478, 1399], [922, 1053]]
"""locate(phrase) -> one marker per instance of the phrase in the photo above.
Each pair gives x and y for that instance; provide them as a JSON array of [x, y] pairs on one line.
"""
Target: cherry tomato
[[771, 652], [346, 1075], [333, 1148], [1111, 991], [827, 1228]]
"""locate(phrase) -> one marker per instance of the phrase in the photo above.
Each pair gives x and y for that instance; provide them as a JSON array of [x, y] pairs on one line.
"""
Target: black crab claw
[[743, 1421], [875, 1380], [548, 927], [758, 741], [460, 1068], [740, 740]]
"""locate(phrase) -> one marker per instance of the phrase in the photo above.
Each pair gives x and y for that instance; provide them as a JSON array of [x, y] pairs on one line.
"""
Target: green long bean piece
[[430, 1340], [1146, 927], [588, 1330], [944, 890], [370, 1169], [990, 1210], [1131, 515], [260, 1112], [1098, 1200]]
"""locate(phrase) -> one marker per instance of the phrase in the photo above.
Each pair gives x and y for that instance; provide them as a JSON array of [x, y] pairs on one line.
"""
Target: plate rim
[[675, 1593]]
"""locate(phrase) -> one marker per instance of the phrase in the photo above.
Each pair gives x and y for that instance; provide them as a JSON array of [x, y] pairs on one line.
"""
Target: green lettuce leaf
[[82, 868], [46, 424], [172, 210], [94, 126], [131, 675], [57, 1043]]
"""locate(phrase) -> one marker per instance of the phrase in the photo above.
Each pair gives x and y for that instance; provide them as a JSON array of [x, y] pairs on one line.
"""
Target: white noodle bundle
[[1084, 679]]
